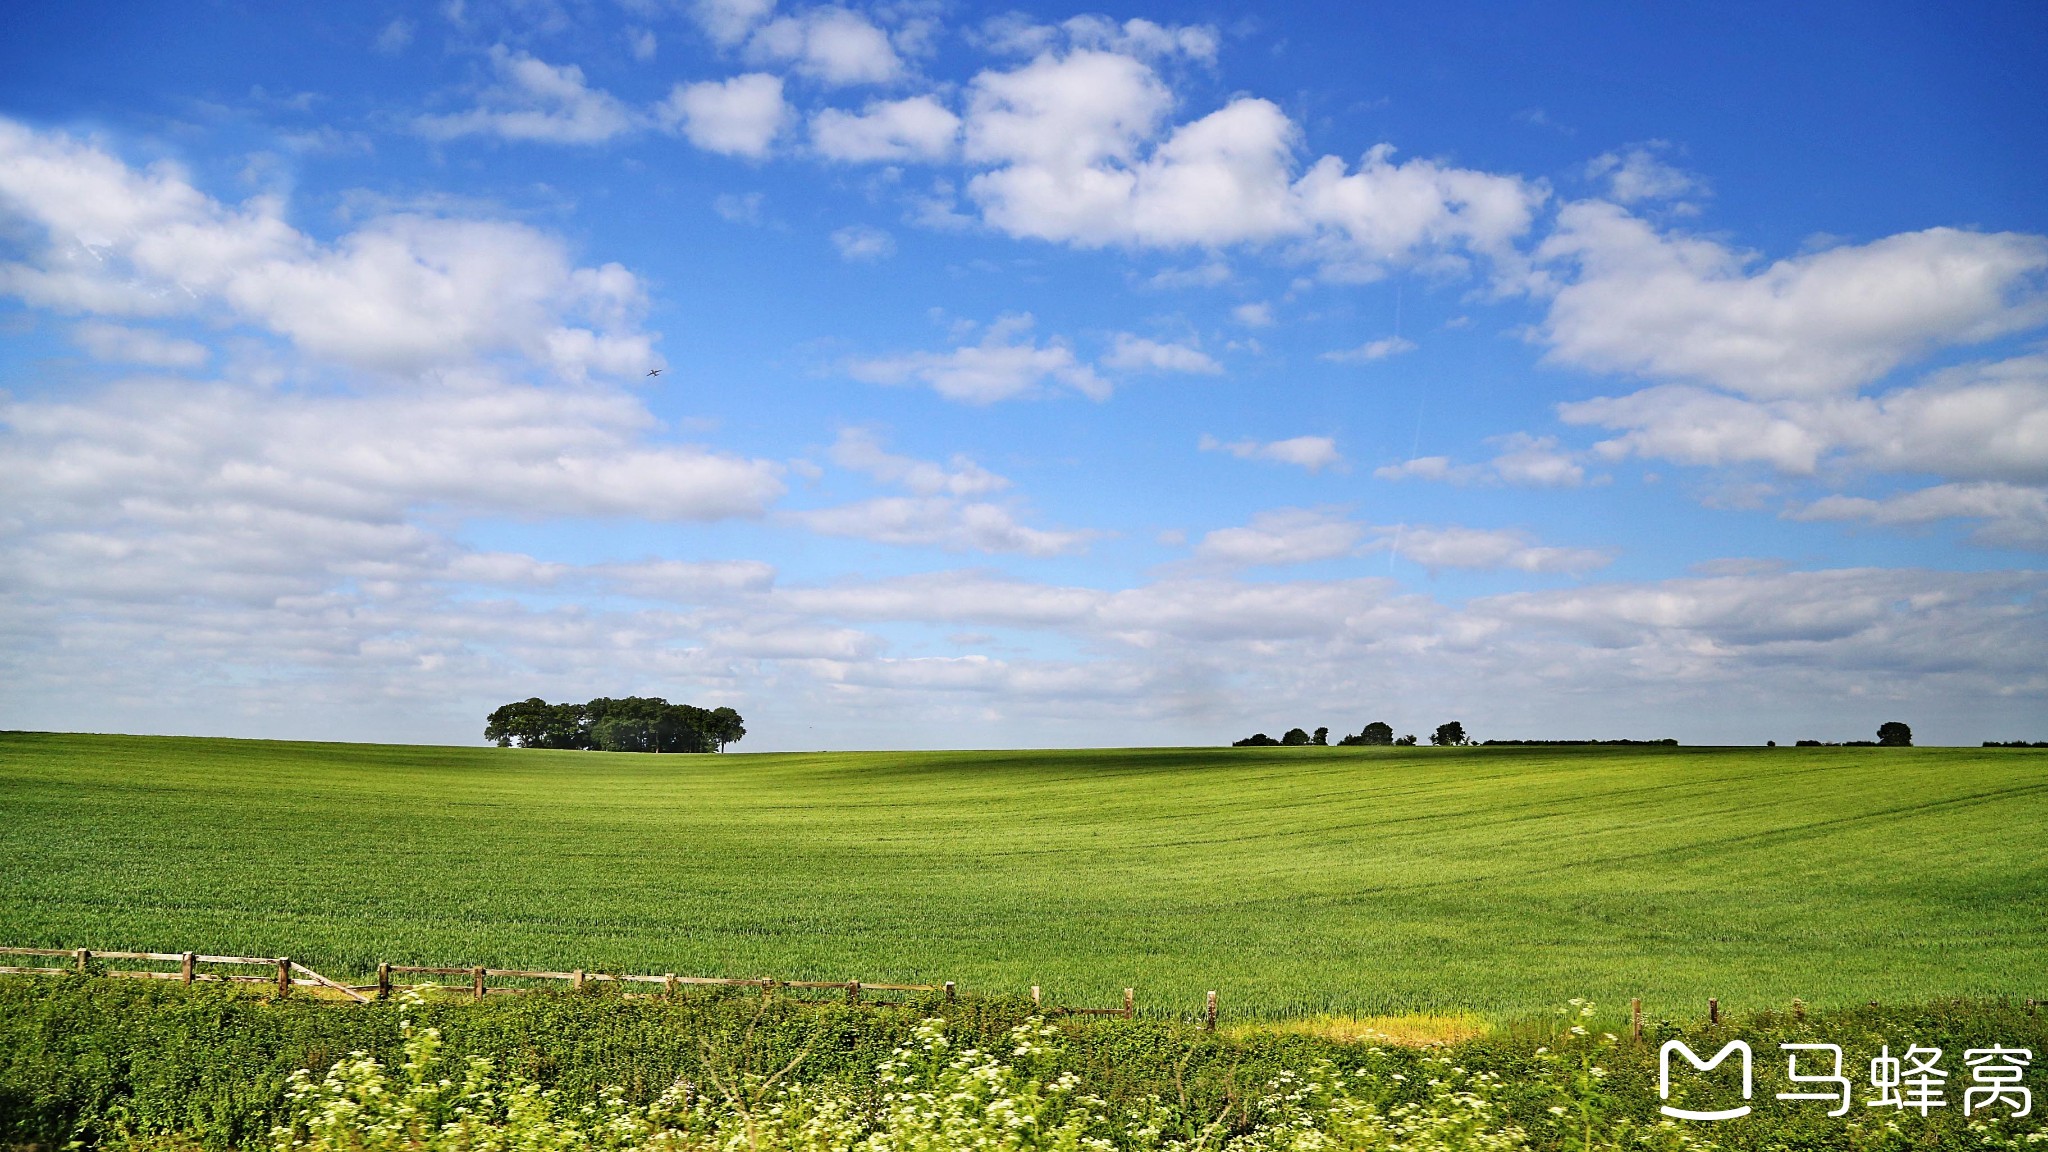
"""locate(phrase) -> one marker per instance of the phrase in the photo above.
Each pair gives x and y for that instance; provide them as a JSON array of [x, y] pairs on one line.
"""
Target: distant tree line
[[1667, 742], [1890, 734], [631, 724], [1379, 733], [2015, 744]]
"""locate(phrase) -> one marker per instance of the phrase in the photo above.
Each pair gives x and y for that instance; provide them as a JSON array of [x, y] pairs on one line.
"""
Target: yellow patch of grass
[[1413, 1031]]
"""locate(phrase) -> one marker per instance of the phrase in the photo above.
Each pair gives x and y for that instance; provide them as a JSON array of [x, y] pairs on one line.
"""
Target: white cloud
[[1982, 421], [1636, 174], [472, 443], [941, 522], [1438, 468], [1137, 354], [1454, 547], [1143, 37], [2014, 516], [1001, 367], [1690, 309], [1536, 461], [860, 451], [1282, 536], [1258, 315], [535, 100], [401, 293], [917, 128], [860, 243], [729, 21], [737, 208], [138, 346], [835, 45], [1314, 453], [1076, 149], [642, 43], [741, 116], [1371, 350], [395, 38]]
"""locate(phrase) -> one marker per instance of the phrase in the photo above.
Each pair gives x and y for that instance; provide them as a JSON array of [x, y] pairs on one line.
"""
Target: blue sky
[[1028, 377]]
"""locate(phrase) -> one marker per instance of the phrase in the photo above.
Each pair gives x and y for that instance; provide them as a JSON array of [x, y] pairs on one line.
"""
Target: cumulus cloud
[[1006, 364], [1075, 149], [941, 510], [125, 345], [1314, 453], [1019, 35], [1283, 536], [1372, 350], [1638, 173], [1131, 353], [1455, 547], [1982, 421], [861, 451], [860, 243], [939, 522], [918, 128], [2012, 516], [535, 100], [400, 293], [741, 116], [1689, 309], [728, 21], [835, 45], [1524, 461]]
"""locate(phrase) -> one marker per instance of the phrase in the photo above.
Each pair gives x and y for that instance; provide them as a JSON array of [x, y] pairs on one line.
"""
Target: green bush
[[103, 1061]]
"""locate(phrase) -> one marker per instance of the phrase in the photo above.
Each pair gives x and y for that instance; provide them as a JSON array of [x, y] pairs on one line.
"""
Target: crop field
[[1495, 880]]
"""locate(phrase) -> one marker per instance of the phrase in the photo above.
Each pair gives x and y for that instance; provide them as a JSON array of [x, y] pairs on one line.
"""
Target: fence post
[[852, 992], [476, 982], [384, 981], [668, 984], [185, 964], [1209, 1014], [1130, 1003], [284, 977], [1713, 1012], [84, 958], [1035, 1003], [951, 993], [576, 980], [1635, 1019]]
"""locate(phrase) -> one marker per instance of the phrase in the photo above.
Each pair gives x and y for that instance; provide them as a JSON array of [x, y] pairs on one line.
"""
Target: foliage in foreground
[[933, 1096], [105, 1062]]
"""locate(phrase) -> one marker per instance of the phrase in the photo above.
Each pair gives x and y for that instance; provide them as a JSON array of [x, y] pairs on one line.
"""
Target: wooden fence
[[286, 974]]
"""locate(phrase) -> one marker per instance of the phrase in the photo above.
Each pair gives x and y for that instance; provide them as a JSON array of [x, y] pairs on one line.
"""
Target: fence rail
[[286, 974]]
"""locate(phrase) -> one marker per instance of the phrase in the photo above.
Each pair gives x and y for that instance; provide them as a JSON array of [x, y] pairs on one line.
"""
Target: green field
[[1367, 880]]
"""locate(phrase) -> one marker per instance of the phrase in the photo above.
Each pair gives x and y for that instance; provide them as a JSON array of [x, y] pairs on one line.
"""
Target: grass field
[[1498, 880]]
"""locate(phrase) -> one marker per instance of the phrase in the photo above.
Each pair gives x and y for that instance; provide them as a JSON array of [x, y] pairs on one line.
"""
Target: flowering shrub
[[932, 1096]]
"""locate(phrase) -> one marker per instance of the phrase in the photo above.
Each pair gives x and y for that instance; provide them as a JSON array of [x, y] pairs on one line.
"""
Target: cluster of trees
[[1379, 733], [1890, 734], [632, 724]]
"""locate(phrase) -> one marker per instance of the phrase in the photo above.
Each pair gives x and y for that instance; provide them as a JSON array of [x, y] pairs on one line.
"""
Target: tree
[[1894, 734], [724, 727], [1295, 738], [1321, 736], [1378, 732], [629, 724], [535, 723], [1256, 740], [1448, 734], [1407, 741]]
